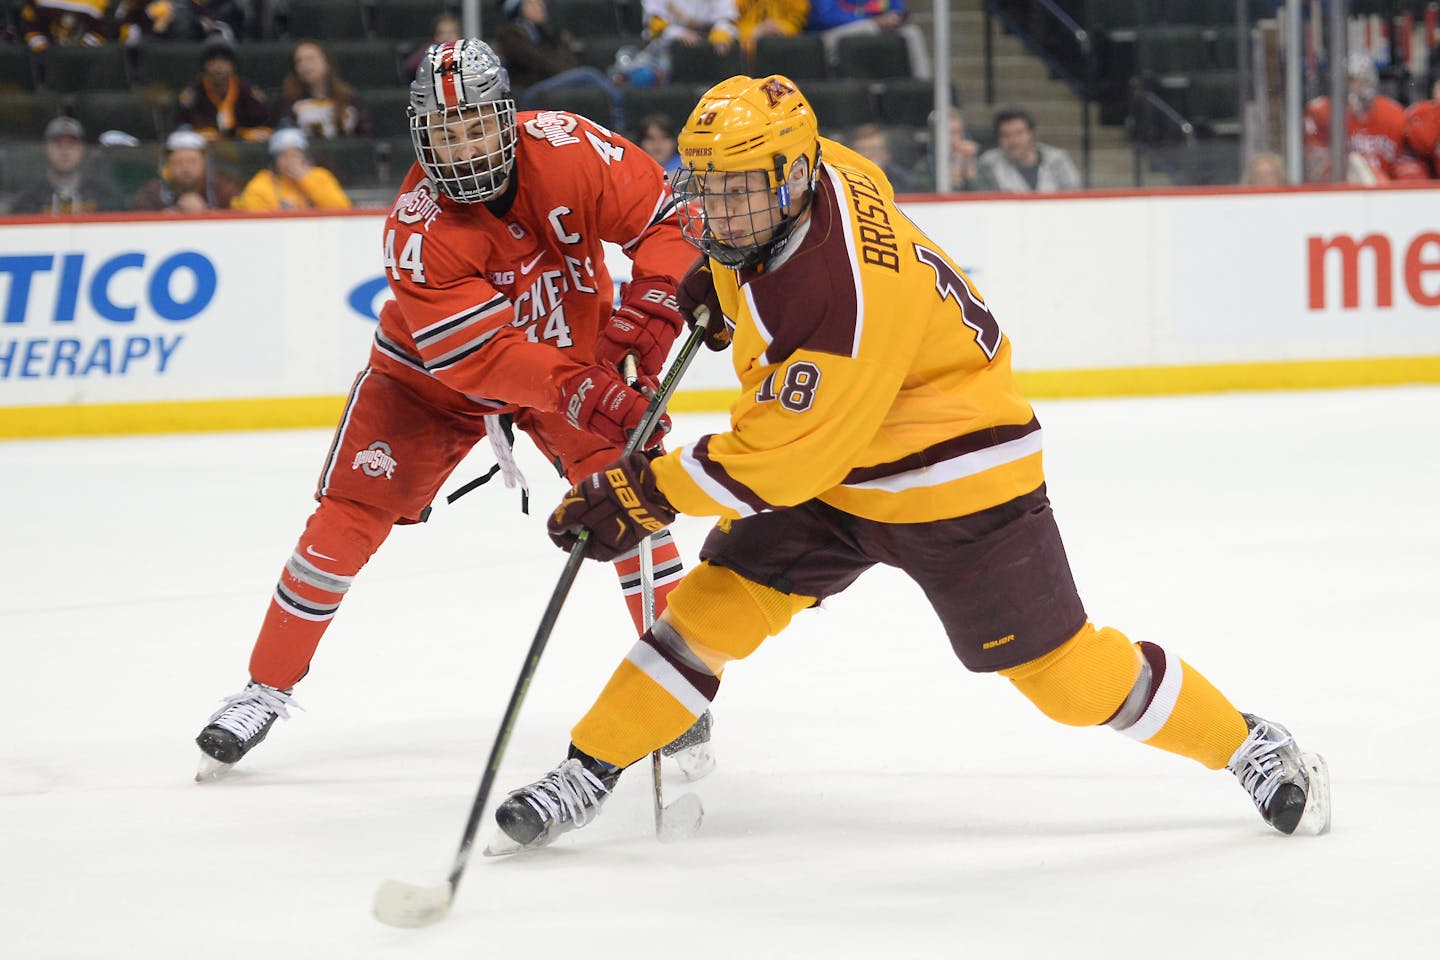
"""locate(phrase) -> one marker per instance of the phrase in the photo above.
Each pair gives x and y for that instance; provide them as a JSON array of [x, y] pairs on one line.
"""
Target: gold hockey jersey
[[873, 375]]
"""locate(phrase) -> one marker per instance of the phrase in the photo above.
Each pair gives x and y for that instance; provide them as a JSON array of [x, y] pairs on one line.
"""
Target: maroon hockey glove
[[696, 290], [620, 506], [596, 401], [646, 324]]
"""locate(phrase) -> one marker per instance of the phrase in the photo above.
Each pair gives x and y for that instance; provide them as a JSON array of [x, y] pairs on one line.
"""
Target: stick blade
[[680, 820], [407, 905]]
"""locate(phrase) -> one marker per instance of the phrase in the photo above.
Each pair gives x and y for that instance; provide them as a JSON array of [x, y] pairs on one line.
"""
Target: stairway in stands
[[1022, 79]]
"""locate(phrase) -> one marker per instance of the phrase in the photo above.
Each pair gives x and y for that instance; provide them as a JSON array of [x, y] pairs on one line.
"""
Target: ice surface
[[872, 798]]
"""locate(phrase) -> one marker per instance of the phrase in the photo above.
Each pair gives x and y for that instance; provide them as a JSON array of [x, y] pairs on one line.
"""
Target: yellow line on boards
[[279, 413], [1221, 377]]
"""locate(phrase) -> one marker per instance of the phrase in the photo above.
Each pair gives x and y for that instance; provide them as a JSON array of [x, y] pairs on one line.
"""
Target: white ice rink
[[872, 799]]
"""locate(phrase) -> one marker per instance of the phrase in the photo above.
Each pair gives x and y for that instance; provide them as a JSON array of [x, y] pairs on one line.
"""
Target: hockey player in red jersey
[[877, 422], [1422, 136], [502, 314], [1372, 129]]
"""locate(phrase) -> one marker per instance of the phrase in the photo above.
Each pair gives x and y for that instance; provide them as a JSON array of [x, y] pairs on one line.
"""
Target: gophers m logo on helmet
[[375, 460], [775, 91]]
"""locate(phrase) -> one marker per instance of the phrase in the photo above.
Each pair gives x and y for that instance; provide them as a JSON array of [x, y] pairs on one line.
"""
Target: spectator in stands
[[770, 18], [220, 104], [1021, 164], [292, 182], [47, 23], [1373, 129], [691, 23], [67, 187], [139, 21], [186, 183], [871, 142], [964, 157], [656, 136], [1265, 170], [316, 99], [445, 28], [540, 57], [837, 19]]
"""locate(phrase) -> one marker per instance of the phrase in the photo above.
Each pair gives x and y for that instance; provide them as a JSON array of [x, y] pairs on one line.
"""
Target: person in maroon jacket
[[219, 104]]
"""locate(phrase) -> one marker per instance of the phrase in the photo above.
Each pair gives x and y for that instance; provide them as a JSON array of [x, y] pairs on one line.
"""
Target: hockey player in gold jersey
[[877, 421]]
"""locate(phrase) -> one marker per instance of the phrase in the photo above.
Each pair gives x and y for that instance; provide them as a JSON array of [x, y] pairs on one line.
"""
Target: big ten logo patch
[[375, 461]]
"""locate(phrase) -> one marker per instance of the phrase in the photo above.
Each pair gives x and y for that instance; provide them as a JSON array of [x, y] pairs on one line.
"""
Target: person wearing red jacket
[[1372, 129], [1422, 137], [503, 315]]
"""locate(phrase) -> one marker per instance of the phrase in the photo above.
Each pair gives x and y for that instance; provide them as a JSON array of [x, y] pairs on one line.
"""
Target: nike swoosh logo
[[312, 551], [527, 267]]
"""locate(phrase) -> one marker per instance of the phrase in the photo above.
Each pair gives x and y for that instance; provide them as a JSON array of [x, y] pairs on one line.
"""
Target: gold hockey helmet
[[745, 125]]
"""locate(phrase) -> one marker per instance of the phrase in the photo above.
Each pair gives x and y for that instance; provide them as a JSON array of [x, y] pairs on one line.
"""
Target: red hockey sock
[[667, 572], [338, 540]]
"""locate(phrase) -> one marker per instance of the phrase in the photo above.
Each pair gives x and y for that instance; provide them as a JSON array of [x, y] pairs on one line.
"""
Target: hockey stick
[[682, 818], [402, 904]]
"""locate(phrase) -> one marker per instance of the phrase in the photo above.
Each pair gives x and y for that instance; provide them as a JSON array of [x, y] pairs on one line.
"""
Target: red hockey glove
[[697, 290], [620, 506], [646, 324], [596, 401]]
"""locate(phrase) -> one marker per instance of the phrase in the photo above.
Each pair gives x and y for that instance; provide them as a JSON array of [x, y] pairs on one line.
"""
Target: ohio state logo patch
[[555, 127], [375, 461]]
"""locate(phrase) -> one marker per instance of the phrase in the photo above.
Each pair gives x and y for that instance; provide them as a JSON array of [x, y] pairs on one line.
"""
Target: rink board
[[157, 325]]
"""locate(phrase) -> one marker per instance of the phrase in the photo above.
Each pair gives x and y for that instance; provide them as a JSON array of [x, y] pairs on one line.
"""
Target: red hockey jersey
[[504, 307], [1375, 135], [1422, 134]]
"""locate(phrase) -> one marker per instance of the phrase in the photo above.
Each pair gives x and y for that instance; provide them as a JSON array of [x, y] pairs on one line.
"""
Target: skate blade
[[500, 845], [1316, 818], [211, 769], [679, 820], [695, 763], [407, 905]]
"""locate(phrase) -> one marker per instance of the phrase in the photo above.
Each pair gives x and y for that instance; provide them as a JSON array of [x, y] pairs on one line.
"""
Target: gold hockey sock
[[673, 672], [1098, 676]]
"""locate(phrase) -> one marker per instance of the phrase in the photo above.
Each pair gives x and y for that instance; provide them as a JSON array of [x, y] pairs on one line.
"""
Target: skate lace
[[569, 792], [246, 712], [1258, 763]]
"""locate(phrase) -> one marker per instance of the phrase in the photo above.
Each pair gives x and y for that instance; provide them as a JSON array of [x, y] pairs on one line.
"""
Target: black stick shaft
[[648, 423]]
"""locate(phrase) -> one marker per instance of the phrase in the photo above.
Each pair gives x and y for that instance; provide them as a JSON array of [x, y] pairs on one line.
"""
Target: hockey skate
[[1290, 789], [691, 751], [237, 727], [565, 798]]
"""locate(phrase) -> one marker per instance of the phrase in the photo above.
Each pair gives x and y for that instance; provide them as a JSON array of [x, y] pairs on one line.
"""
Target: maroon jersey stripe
[[945, 450], [716, 472]]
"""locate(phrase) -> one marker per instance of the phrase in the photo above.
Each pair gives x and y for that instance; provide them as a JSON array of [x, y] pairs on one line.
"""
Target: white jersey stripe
[[837, 186], [712, 489], [479, 310], [956, 468]]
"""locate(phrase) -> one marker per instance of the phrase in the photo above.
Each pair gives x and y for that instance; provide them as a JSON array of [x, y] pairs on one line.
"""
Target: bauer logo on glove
[[620, 506]]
